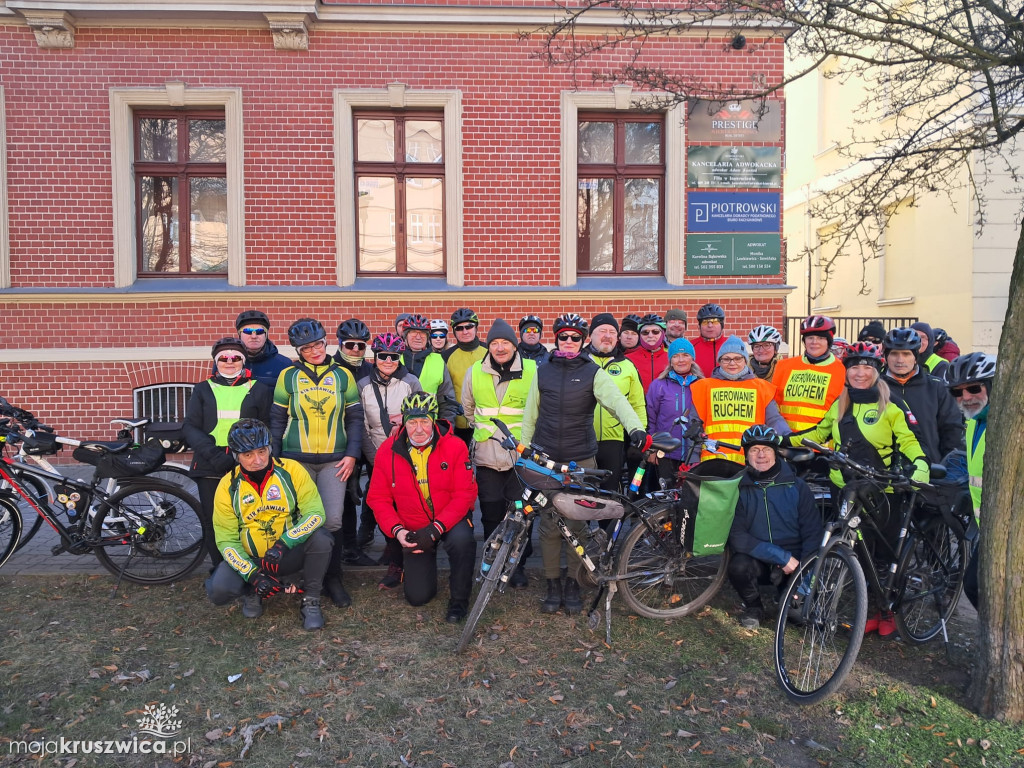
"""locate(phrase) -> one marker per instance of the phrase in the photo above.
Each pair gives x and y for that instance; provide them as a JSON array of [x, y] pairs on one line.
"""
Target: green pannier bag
[[716, 491]]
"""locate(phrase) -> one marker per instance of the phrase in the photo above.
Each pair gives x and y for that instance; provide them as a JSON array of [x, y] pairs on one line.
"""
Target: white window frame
[[5, 241], [396, 96], [621, 97], [123, 103]]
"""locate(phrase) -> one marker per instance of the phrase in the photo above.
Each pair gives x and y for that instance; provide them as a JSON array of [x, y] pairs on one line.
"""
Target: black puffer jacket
[[565, 421], [209, 459]]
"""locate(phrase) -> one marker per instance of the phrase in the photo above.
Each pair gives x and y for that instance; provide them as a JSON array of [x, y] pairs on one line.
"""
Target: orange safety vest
[[728, 408], [805, 391]]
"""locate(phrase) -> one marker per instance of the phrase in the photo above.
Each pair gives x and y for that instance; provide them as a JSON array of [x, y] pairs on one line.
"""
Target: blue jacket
[[267, 364], [776, 519]]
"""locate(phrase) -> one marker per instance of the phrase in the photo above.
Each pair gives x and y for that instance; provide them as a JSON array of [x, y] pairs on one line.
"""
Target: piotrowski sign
[[734, 166], [743, 254], [745, 120]]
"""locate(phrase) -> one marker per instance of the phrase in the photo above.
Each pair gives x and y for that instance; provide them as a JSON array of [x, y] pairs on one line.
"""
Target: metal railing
[[846, 327]]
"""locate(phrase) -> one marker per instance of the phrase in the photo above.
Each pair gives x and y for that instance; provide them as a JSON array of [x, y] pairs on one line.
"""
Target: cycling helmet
[[967, 369], [417, 322], [304, 331], [760, 434], [419, 405], [248, 435], [353, 329], [764, 333], [941, 337], [228, 342], [711, 311], [388, 342], [839, 347], [464, 315], [630, 322], [818, 325], [902, 338], [652, 319], [439, 325], [250, 317], [530, 320], [863, 352], [570, 321]]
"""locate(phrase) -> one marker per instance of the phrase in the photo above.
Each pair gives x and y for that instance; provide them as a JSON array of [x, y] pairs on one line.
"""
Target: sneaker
[[886, 625], [312, 616], [751, 618], [365, 534], [456, 613], [518, 578], [357, 557], [871, 625], [336, 591], [252, 606], [393, 578]]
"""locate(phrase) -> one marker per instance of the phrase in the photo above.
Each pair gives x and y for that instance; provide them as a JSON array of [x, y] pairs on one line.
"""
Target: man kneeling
[[422, 492], [268, 521]]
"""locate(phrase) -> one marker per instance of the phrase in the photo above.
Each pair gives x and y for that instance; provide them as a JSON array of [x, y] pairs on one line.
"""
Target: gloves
[[425, 539], [509, 443], [271, 561], [922, 472], [264, 584], [693, 429], [787, 441], [638, 439]]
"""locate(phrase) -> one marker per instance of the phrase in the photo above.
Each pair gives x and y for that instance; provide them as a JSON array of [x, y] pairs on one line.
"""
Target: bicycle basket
[[170, 434], [714, 491], [134, 463], [42, 444], [539, 478], [587, 506]]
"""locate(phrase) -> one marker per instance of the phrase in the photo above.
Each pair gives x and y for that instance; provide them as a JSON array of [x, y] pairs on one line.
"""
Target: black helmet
[[652, 319], [251, 316], [760, 434], [711, 311], [530, 320], [248, 435], [863, 352], [416, 322], [464, 315], [941, 337], [304, 331], [902, 338], [967, 369], [227, 342], [353, 329], [630, 322], [570, 321]]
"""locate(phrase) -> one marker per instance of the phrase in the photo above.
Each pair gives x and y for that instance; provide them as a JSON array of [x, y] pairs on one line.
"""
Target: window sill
[[892, 302]]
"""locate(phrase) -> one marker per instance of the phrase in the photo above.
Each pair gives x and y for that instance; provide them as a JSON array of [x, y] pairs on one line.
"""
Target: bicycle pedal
[[58, 549]]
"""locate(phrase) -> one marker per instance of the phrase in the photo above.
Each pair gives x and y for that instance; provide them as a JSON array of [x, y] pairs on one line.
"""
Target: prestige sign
[[734, 167], [732, 212], [745, 120]]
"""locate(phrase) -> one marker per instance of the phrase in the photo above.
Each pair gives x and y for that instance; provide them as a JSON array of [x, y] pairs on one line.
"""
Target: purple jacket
[[667, 399]]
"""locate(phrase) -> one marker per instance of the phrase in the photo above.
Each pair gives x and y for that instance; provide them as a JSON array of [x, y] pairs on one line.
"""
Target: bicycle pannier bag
[[170, 434], [134, 463], [42, 444], [587, 506], [539, 478], [716, 499]]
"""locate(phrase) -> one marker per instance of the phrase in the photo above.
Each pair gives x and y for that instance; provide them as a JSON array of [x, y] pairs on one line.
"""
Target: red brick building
[[162, 170]]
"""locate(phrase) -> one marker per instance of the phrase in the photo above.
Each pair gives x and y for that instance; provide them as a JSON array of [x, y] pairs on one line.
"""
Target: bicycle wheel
[[149, 532], [930, 577], [813, 658], [177, 474], [31, 520], [490, 579], [10, 528]]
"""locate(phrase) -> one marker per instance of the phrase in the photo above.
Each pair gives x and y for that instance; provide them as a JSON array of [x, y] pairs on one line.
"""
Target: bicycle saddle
[[663, 441], [130, 423], [114, 446]]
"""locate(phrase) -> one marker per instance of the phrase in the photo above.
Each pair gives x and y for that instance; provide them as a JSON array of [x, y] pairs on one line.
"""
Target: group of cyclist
[[416, 416]]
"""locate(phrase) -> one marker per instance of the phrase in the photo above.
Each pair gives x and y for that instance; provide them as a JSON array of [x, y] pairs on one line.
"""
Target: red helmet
[[819, 325], [863, 352]]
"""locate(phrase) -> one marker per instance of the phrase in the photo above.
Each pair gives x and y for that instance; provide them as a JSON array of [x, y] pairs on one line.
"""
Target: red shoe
[[871, 625], [887, 625], [393, 578]]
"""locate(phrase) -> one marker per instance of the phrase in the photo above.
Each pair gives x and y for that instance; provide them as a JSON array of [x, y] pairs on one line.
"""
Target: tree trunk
[[997, 688]]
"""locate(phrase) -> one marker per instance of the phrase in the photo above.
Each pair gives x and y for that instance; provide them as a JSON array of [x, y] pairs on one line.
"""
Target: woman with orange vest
[[734, 399], [806, 386]]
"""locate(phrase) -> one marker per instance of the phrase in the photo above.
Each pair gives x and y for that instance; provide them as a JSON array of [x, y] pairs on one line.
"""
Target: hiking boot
[[456, 613], [571, 597], [553, 601], [518, 578], [336, 591], [393, 578], [356, 556], [312, 616], [365, 533], [751, 617], [252, 606]]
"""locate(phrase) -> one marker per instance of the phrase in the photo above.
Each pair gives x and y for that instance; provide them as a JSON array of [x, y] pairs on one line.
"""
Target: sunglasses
[[360, 345], [973, 389], [573, 337], [440, 335], [388, 357], [465, 327], [651, 332], [254, 331], [230, 359], [531, 330], [712, 321]]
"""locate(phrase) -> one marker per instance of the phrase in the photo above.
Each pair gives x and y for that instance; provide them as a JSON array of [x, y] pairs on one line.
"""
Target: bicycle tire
[[10, 528], [681, 582], [491, 579], [812, 659], [170, 472], [930, 577], [171, 542], [40, 493]]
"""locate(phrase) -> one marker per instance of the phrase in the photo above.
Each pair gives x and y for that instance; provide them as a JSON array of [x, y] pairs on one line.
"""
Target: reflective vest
[[728, 408], [975, 460], [805, 391], [229, 408], [513, 402], [432, 373], [459, 362], [932, 361]]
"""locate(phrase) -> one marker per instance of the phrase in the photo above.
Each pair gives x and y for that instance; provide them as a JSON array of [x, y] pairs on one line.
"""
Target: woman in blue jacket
[[668, 398]]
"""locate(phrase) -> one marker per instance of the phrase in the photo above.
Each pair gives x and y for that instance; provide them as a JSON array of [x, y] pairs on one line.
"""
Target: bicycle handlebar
[[840, 459], [533, 453]]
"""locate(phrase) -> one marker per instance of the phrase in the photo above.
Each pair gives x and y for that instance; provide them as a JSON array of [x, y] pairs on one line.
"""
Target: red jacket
[[707, 352], [648, 364], [394, 495]]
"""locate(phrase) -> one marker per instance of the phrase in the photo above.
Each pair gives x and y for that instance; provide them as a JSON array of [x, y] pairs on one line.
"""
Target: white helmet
[[438, 325], [764, 333]]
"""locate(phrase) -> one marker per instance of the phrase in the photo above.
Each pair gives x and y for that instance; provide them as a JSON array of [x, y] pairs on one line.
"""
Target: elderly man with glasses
[[261, 355], [460, 358]]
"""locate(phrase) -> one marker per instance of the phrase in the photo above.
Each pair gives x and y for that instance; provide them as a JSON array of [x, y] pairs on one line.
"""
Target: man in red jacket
[[422, 493], [711, 321]]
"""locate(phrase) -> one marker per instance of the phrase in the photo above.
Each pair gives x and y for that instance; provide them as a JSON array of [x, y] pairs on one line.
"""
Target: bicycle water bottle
[[638, 477]]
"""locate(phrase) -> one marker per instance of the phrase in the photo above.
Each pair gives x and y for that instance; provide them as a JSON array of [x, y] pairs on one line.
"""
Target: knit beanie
[[874, 329], [604, 318], [676, 314], [501, 330], [678, 346], [732, 346]]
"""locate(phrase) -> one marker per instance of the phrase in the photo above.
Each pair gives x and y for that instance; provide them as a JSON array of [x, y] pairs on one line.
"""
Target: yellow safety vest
[[512, 404]]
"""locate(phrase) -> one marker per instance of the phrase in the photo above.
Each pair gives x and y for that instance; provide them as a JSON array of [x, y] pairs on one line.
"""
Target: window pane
[[209, 225], [643, 143], [158, 139], [597, 142], [640, 227], [159, 206], [424, 199], [377, 224], [375, 140], [206, 142], [423, 141], [595, 211]]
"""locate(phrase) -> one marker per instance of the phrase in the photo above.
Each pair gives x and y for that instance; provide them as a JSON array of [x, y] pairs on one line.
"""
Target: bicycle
[[823, 609], [652, 560], [146, 531]]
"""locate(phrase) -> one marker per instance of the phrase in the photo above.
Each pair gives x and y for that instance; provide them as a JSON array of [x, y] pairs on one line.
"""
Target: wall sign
[[734, 166], [746, 120], [758, 254], [732, 212]]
